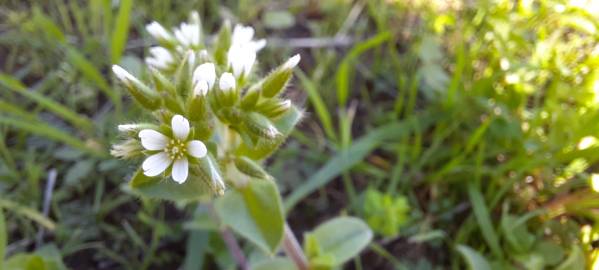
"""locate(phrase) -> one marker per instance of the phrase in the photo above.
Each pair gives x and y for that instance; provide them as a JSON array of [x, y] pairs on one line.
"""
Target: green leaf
[[474, 260], [196, 187], [255, 212], [121, 30], [481, 213], [575, 260], [278, 19], [341, 238], [361, 147], [277, 263], [3, 238]]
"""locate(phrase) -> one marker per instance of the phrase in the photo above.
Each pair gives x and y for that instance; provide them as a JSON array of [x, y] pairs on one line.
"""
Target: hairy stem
[[230, 242], [293, 249]]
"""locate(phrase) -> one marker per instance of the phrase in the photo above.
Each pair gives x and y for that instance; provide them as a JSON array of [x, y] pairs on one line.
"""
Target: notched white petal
[[197, 149], [180, 127], [180, 170], [156, 164], [152, 139]]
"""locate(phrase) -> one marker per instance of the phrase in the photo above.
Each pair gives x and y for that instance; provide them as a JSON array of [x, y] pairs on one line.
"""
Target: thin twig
[[293, 249], [46, 206], [230, 242]]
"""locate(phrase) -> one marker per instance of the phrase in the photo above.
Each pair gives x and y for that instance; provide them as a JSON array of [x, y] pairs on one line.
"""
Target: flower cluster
[[214, 119]]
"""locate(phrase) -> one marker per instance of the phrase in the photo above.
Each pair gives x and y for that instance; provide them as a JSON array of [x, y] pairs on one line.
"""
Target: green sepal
[[223, 42], [183, 76], [276, 81], [197, 107], [250, 98], [146, 97], [273, 107], [161, 83], [260, 126], [263, 148]]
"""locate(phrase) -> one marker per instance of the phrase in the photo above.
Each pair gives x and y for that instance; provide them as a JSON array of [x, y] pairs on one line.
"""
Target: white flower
[[226, 82], [204, 73], [188, 34], [160, 58], [242, 53], [292, 62], [241, 58], [175, 151], [158, 32], [243, 35]]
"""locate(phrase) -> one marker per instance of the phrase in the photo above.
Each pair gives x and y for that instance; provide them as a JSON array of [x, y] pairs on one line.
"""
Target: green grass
[[473, 112]]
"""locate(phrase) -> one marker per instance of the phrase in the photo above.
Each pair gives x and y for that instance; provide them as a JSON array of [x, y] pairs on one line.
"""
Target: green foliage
[[255, 212], [384, 213], [474, 260], [336, 241]]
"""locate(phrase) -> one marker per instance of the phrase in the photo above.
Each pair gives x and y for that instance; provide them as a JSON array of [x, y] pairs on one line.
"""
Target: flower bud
[[276, 81], [274, 108], [134, 128], [140, 92], [218, 184], [158, 32], [226, 82], [251, 168], [259, 126], [160, 58], [127, 149], [205, 73]]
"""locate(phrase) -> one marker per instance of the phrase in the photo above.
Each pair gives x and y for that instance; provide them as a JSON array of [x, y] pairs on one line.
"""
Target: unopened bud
[[226, 82], [274, 108], [251, 168], [140, 92], [258, 125], [127, 149]]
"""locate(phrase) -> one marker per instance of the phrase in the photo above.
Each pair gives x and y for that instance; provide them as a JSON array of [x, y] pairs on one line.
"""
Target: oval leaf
[[342, 238], [255, 212], [277, 263], [474, 260]]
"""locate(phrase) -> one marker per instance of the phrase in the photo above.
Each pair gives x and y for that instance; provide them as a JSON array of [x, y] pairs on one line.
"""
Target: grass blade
[[481, 213], [121, 30], [29, 213], [319, 106], [77, 120], [45, 130], [91, 73], [349, 157], [343, 77]]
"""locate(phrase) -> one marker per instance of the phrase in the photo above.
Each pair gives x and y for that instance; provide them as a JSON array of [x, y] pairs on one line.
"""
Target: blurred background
[[462, 132]]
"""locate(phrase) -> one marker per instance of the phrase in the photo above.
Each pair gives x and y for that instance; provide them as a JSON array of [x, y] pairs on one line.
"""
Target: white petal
[[152, 139], [205, 72], [157, 31], [242, 34], [201, 88], [197, 149], [258, 44], [122, 74], [292, 62], [156, 164], [180, 127], [226, 81], [180, 170]]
